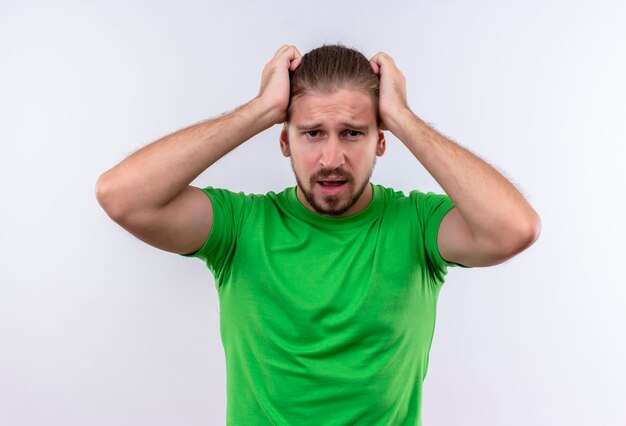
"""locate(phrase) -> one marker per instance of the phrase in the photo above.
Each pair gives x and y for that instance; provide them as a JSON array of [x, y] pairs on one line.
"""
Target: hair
[[330, 68]]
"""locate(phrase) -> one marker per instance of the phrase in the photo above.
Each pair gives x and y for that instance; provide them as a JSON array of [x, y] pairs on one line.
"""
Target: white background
[[97, 328]]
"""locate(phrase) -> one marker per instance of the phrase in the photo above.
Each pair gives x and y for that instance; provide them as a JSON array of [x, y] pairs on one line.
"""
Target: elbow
[[508, 242], [526, 235], [533, 230], [110, 200]]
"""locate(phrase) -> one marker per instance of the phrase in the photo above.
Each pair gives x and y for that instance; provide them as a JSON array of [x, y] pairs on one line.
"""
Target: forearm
[[491, 205], [153, 176]]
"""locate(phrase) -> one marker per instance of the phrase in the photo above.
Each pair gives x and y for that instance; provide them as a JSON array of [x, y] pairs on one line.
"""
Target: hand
[[274, 92], [392, 90]]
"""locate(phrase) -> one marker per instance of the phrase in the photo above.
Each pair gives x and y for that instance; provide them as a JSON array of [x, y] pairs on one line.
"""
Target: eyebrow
[[360, 127]]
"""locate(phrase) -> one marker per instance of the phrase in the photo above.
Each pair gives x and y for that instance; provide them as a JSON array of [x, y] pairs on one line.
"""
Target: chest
[[309, 283]]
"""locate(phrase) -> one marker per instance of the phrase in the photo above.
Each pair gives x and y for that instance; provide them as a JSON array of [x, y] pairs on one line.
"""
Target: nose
[[332, 155]]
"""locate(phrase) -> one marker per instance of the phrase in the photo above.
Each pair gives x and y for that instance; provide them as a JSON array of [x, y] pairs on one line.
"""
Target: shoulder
[[243, 204], [228, 194], [387, 194], [414, 198]]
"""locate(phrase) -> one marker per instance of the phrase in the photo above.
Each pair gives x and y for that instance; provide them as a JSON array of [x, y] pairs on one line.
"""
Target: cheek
[[301, 168], [305, 159], [363, 156]]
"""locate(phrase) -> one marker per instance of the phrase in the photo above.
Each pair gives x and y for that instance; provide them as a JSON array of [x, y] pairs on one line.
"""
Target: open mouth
[[331, 183], [332, 188]]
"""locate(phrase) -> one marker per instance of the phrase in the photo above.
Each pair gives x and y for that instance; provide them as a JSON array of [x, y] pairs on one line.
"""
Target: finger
[[375, 67], [376, 58], [381, 58], [291, 52], [285, 53], [377, 63], [276, 58], [295, 63], [281, 49], [295, 58]]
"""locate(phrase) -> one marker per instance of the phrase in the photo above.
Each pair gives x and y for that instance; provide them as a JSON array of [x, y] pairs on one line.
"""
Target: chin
[[332, 206], [333, 209]]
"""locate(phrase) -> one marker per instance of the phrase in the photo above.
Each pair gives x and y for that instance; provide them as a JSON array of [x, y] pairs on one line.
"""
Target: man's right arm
[[149, 193]]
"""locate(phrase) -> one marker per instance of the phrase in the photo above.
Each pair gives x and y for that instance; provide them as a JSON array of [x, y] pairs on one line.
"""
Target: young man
[[328, 289]]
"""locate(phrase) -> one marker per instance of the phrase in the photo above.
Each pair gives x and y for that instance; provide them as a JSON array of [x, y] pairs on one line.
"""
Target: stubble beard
[[333, 202]]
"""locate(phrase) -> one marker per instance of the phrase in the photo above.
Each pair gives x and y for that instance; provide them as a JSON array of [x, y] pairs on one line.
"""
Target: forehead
[[351, 105]]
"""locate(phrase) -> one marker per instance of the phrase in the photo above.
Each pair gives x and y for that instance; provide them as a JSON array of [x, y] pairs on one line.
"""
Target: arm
[[491, 221], [149, 194]]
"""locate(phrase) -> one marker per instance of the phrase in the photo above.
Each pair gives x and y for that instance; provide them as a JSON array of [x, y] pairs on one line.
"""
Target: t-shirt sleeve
[[431, 209], [229, 212]]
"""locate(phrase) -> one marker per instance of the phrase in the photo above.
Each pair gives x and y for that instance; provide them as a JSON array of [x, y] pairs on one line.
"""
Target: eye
[[353, 133], [312, 133]]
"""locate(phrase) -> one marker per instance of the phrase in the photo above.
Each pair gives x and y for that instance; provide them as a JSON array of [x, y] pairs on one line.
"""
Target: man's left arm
[[491, 221]]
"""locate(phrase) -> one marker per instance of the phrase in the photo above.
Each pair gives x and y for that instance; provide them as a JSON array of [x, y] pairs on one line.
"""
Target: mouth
[[332, 187], [331, 183]]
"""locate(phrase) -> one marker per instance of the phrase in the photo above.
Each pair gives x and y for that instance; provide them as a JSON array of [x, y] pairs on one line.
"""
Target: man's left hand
[[392, 102]]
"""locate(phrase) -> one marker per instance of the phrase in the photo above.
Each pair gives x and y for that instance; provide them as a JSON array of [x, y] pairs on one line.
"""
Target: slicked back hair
[[330, 68]]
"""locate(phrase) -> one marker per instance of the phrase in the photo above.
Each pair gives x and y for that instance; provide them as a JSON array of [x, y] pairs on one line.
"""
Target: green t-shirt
[[325, 321]]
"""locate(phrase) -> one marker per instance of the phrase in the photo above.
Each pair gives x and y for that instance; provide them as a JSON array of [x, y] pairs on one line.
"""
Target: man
[[327, 289]]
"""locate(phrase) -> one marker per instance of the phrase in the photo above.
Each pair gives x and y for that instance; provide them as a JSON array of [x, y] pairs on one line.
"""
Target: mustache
[[337, 172]]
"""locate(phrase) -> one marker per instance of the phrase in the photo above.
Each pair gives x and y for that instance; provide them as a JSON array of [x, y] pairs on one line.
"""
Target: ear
[[381, 144], [284, 141]]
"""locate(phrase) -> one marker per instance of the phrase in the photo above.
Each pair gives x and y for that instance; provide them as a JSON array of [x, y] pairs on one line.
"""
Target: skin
[[333, 141], [149, 193]]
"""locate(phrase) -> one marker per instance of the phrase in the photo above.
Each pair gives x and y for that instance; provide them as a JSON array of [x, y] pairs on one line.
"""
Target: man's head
[[332, 130], [330, 68]]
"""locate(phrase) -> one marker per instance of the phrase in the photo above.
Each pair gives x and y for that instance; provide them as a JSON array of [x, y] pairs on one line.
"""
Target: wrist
[[398, 119], [266, 113]]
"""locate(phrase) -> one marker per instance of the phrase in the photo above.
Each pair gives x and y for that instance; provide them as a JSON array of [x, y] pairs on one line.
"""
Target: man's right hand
[[149, 193], [274, 92]]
